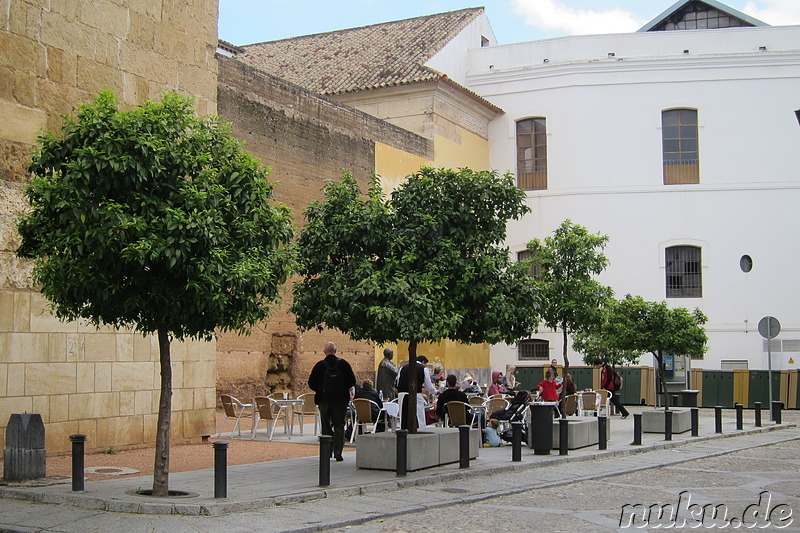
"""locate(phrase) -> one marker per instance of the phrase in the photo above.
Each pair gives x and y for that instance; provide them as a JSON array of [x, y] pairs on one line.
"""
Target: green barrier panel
[[759, 387], [528, 377], [718, 388], [631, 393], [582, 376]]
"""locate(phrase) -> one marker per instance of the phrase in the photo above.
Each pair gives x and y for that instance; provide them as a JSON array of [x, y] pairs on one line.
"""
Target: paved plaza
[[584, 491]]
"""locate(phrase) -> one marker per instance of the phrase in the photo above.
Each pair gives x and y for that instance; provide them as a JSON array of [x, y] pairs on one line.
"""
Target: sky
[[252, 21]]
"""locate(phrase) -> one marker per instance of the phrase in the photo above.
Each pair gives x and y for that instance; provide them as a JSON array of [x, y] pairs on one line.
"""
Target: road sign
[[769, 327]]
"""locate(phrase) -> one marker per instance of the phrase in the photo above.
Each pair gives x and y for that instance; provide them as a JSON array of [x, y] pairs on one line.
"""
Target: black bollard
[[739, 415], [757, 408], [463, 446], [776, 411], [637, 429], [220, 469], [563, 436], [325, 451], [402, 452], [78, 442], [541, 429], [516, 441], [602, 432], [718, 419], [667, 425], [695, 413], [674, 400]]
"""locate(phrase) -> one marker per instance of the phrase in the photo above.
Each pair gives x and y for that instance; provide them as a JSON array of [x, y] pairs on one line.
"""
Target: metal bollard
[[667, 425], [776, 411], [516, 441], [739, 415], [637, 429], [463, 446], [675, 400], [563, 436], [220, 469], [757, 408], [325, 450], [602, 432], [78, 442], [718, 419], [401, 467], [695, 413]]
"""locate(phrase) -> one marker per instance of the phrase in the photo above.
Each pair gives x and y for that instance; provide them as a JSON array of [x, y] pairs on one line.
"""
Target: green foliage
[[152, 218], [572, 300], [425, 265], [110, 451]]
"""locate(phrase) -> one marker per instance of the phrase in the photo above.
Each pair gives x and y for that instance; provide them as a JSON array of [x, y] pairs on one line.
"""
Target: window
[[679, 143], [532, 154], [684, 277], [533, 350], [534, 267]]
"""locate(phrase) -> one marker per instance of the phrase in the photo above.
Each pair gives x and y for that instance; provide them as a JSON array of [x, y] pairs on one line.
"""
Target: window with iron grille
[[533, 269], [533, 350], [684, 272], [532, 154], [679, 144]]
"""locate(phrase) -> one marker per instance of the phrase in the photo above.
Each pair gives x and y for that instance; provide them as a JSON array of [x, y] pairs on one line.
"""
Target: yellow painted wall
[[472, 152], [393, 165]]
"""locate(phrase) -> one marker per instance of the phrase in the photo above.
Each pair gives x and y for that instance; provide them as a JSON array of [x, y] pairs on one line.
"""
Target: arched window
[[533, 350], [684, 272], [679, 143], [532, 154]]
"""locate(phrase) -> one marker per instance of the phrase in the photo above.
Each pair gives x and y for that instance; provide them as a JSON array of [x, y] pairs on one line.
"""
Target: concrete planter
[[581, 432], [433, 447], [653, 421]]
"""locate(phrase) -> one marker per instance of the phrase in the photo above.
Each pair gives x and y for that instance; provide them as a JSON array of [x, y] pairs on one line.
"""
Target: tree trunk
[[411, 399], [161, 464], [663, 379], [564, 372]]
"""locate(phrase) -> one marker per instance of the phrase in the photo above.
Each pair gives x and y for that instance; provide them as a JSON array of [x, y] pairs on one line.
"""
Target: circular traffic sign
[[769, 327]]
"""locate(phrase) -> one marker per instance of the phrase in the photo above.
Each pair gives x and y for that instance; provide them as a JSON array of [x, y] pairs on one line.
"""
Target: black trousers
[[332, 416], [617, 401]]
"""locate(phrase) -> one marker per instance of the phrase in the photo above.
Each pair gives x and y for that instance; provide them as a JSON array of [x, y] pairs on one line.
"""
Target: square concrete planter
[[581, 432], [433, 447], [653, 420]]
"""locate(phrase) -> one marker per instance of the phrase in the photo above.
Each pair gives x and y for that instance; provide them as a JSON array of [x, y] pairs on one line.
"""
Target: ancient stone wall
[[55, 55]]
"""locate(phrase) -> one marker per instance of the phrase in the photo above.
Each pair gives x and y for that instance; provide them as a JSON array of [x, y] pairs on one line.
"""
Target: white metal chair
[[457, 413], [588, 403], [362, 408], [269, 410], [603, 404], [308, 408], [233, 408]]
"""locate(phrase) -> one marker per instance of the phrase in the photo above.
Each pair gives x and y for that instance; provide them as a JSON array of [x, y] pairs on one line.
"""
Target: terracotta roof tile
[[381, 55]]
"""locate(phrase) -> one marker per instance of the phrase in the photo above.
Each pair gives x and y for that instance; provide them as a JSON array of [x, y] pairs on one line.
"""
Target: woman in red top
[[547, 388]]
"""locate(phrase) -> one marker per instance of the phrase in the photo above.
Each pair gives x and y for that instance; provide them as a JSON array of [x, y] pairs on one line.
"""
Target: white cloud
[[774, 12], [556, 16]]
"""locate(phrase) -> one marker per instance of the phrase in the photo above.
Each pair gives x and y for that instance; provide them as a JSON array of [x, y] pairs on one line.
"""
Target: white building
[[681, 147]]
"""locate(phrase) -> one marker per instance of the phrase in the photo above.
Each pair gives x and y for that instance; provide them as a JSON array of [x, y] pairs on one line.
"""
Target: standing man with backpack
[[609, 380], [334, 383]]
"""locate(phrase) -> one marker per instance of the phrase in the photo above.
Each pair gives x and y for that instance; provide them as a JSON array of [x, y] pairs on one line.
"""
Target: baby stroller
[[515, 412]]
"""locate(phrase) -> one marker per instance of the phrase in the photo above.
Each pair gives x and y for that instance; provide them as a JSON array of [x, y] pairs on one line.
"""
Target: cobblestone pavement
[[735, 480]]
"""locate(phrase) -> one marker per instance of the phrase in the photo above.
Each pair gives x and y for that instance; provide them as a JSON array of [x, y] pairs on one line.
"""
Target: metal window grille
[[684, 272], [533, 350], [534, 269]]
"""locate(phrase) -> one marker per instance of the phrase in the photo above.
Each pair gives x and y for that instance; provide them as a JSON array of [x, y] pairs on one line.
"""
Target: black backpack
[[333, 386], [616, 378]]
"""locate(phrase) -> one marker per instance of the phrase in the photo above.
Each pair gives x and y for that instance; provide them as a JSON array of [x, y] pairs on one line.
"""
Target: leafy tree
[[572, 300], [635, 326], [156, 220], [425, 265]]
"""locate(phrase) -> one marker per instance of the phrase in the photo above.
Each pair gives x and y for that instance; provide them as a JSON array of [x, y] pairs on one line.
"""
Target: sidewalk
[[259, 491]]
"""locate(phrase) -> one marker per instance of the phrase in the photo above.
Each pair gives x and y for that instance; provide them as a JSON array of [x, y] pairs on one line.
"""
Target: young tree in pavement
[[425, 264], [565, 263], [634, 326], [154, 219]]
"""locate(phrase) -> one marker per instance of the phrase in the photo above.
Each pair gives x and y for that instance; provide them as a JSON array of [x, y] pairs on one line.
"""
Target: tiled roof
[[381, 55]]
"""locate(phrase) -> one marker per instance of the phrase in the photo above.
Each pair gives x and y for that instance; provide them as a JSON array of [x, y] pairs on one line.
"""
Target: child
[[490, 434]]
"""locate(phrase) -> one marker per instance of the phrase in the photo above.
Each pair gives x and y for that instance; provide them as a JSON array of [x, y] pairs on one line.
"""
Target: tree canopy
[[154, 219], [564, 264], [425, 264]]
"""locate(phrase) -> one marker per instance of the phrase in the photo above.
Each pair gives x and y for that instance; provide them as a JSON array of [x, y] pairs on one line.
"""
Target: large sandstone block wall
[[305, 139], [55, 55]]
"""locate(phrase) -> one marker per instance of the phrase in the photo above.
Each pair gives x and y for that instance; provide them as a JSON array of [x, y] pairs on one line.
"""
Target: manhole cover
[[455, 491], [110, 470]]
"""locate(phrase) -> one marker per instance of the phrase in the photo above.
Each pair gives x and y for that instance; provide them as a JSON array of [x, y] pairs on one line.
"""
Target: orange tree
[[423, 265], [156, 220]]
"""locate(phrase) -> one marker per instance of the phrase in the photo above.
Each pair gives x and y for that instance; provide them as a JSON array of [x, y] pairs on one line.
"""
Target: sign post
[[769, 328]]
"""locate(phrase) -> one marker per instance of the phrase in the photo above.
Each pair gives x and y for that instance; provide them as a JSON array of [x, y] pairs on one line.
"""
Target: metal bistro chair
[[603, 404], [233, 408], [456, 414], [570, 404], [588, 403], [308, 408], [363, 415], [269, 410]]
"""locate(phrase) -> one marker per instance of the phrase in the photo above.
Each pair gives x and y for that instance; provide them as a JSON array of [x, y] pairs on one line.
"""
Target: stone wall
[[305, 139], [55, 55]]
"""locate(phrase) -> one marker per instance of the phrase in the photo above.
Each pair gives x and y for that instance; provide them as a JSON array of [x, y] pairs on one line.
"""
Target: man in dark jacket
[[333, 381], [450, 393]]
